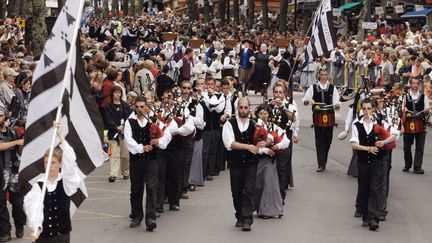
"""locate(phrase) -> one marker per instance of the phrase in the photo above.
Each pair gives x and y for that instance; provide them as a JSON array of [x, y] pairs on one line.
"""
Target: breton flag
[[323, 37], [82, 123]]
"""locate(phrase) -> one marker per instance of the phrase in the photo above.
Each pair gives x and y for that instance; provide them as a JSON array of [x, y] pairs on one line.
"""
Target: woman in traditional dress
[[268, 197]]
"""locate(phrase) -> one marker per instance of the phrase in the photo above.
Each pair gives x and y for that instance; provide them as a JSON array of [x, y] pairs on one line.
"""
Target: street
[[319, 208]]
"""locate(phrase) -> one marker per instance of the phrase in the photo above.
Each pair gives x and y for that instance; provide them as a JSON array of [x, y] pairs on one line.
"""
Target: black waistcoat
[[367, 140], [242, 157], [142, 136], [56, 212]]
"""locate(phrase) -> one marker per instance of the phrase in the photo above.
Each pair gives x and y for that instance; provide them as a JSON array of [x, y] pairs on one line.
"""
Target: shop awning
[[349, 5], [421, 13]]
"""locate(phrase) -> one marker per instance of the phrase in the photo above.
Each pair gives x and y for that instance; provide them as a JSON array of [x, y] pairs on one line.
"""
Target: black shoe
[[239, 223], [19, 231], [6, 237], [209, 178], [151, 224], [135, 223], [358, 213], [174, 208], [382, 218], [320, 169], [184, 196], [418, 171], [373, 225], [365, 224], [405, 169], [246, 227], [111, 179], [160, 209], [125, 177]]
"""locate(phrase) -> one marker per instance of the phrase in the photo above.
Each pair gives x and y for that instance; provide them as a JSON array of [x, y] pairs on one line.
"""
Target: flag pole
[[65, 81], [290, 81]]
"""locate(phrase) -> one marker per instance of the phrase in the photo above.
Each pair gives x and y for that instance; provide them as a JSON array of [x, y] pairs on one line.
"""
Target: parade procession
[[183, 121]]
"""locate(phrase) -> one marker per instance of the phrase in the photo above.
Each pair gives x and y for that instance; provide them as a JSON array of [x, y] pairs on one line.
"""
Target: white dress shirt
[[228, 134], [310, 92]]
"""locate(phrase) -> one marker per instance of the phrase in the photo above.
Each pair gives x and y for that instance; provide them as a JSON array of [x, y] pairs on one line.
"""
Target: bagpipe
[[278, 112], [264, 129], [382, 133]]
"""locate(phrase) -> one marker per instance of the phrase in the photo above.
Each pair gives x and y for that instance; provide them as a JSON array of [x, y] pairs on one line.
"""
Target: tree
[[251, 12], [125, 7], [11, 8], [283, 15], [21, 8], [105, 7], [222, 12], [39, 30], [206, 11], [133, 8], [60, 4], [140, 7], [2, 9], [265, 11], [114, 8], [191, 9], [236, 12]]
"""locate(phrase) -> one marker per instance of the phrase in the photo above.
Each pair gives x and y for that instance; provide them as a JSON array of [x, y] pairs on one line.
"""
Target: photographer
[[9, 164]]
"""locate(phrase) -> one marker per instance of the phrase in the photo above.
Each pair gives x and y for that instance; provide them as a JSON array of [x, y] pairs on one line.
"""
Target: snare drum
[[414, 124], [323, 117]]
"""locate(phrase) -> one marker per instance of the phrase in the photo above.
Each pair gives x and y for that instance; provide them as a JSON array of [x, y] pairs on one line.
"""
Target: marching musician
[[285, 115], [171, 157], [237, 135], [416, 108], [268, 199], [192, 112], [324, 99], [370, 166], [212, 110], [143, 140], [196, 110]]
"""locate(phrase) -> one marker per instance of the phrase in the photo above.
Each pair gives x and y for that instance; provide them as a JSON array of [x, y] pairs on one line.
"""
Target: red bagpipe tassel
[[261, 134], [155, 131], [276, 137], [384, 134]]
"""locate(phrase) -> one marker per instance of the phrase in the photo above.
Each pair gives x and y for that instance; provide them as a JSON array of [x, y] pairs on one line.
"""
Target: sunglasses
[[243, 107], [186, 87], [140, 106]]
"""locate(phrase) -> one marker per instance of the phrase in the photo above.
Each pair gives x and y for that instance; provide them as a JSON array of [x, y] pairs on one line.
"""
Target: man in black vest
[[237, 135], [324, 98], [212, 109], [143, 146], [415, 106], [370, 166]]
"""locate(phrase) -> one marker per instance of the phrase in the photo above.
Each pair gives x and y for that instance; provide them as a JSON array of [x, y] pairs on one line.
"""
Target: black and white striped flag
[[323, 36], [82, 123]]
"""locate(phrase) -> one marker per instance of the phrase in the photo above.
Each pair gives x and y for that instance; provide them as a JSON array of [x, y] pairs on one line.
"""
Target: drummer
[[416, 108], [324, 99]]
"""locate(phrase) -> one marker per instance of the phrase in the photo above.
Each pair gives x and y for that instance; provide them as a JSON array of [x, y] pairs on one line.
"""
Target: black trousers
[[172, 159], [371, 189], [221, 153], [387, 163], [243, 189], [282, 160], [187, 152], [18, 214], [144, 172], [209, 152], [419, 148], [323, 140], [55, 239]]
